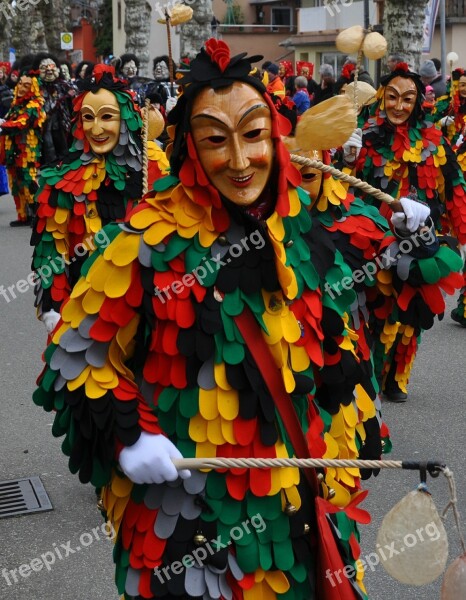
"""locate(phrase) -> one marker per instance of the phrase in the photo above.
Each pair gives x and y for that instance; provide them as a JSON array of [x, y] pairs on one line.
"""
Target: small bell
[[290, 509], [307, 528], [199, 539], [222, 240], [331, 493], [320, 477], [289, 243]]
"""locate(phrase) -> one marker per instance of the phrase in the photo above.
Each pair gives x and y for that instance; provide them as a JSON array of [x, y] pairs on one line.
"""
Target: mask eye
[[254, 133], [308, 176], [216, 139]]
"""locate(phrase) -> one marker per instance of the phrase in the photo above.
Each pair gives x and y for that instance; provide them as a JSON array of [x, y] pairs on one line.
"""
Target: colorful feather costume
[[396, 160], [21, 141], [455, 105], [84, 192], [148, 342]]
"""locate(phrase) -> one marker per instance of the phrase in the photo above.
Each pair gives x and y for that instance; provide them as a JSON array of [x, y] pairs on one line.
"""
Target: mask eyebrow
[[255, 107], [205, 116]]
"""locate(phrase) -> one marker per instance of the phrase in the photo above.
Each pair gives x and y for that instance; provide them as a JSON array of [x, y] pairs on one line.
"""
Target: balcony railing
[[455, 8], [333, 16], [264, 28]]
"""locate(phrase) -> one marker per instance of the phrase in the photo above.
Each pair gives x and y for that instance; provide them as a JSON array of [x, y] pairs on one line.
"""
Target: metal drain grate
[[23, 496]]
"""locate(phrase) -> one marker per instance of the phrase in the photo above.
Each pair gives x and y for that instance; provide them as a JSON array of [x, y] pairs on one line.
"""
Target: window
[[304, 56], [336, 59], [281, 16]]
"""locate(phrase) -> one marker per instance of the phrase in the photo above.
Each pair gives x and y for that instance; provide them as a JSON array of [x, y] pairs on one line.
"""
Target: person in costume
[[58, 95], [401, 152], [98, 181], [20, 141], [149, 362]]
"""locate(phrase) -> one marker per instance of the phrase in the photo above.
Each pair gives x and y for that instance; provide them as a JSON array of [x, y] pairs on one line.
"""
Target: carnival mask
[[400, 99], [462, 86], [100, 114], [311, 178], [129, 69], [3, 75], [48, 70], [65, 72], [305, 72], [161, 72], [231, 128], [23, 86]]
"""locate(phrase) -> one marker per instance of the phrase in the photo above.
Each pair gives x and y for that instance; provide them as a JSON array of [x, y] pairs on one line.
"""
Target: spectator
[[429, 99], [347, 75], [327, 82], [440, 87], [301, 96], [275, 86], [393, 60], [429, 75]]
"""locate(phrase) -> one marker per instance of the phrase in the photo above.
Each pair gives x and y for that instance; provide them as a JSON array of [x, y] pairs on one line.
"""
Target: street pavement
[[429, 426]]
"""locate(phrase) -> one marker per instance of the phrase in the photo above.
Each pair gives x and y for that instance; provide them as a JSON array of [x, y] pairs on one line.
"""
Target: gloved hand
[[413, 217], [352, 147], [50, 320], [149, 460], [446, 121], [170, 104]]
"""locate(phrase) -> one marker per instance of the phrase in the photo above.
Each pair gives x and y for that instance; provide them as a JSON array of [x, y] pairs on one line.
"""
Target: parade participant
[[6, 97], [151, 362], [401, 152], [97, 182], [82, 70], [57, 94], [21, 136], [161, 84]]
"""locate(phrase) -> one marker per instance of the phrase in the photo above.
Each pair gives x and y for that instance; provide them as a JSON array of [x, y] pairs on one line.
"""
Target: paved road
[[430, 425]]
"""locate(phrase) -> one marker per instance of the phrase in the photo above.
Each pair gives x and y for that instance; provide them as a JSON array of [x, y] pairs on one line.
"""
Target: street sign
[[66, 41]]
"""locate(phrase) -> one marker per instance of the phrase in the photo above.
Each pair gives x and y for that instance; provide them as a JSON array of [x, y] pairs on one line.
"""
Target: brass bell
[[100, 504], [94, 175], [199, 538], [289, 243], [320, 477], [222, 240], [290, 509], [383, 443], [307, 528], [331, 493]]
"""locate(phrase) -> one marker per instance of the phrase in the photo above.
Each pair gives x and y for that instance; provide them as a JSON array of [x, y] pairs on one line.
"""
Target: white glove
[[170, 104], [149, 460], [50, 320], [353, 146], [413, 217], [446, 121]]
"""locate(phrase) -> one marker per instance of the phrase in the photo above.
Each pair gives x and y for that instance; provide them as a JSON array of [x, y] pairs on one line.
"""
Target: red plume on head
[[6, 66], [219, 53], [348, 70], [402, 66], [100, 70]]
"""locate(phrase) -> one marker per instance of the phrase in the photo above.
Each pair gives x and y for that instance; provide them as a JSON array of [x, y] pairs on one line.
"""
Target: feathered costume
[[455, 105], [396, 160], [21, 140], [85, 191], [133, 355]]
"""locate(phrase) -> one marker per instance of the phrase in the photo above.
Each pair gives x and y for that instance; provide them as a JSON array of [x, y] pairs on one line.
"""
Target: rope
[[354, 181], [145, 159], [316, 463]]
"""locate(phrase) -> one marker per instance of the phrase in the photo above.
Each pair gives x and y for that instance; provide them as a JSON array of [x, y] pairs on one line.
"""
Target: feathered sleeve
[[88, 379]]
